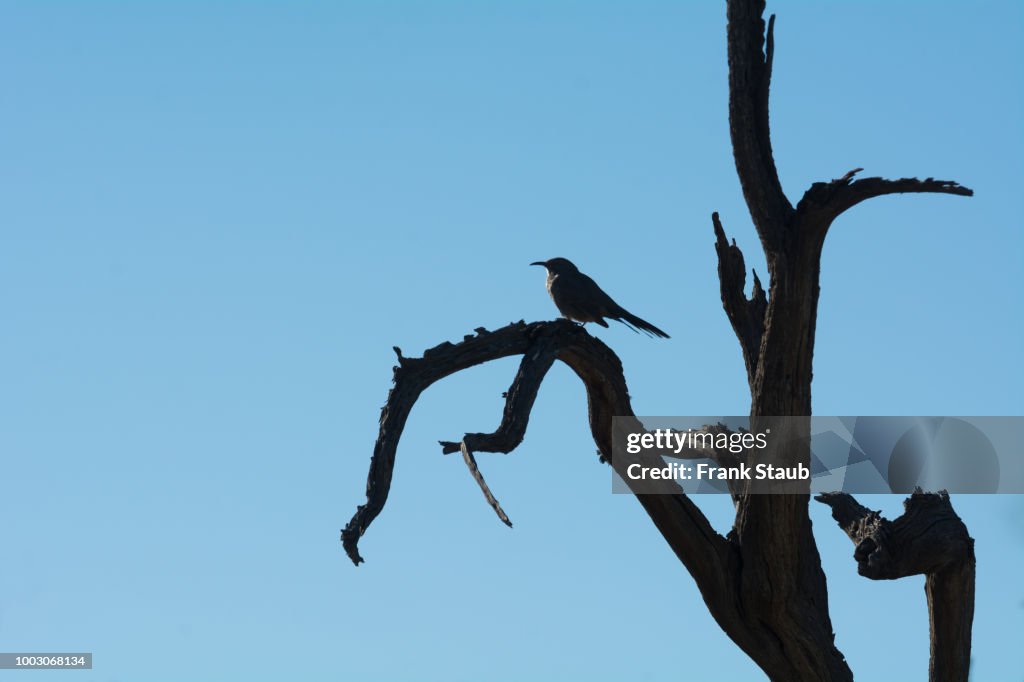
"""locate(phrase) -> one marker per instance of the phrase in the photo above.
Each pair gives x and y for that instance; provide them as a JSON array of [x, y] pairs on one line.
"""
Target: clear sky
[[218, 217]]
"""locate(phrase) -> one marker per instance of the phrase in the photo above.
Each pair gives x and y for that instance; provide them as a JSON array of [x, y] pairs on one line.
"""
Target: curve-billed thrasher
[[579, 298]]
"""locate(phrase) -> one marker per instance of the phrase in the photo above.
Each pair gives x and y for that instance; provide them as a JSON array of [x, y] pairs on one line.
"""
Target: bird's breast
[[551, 281]]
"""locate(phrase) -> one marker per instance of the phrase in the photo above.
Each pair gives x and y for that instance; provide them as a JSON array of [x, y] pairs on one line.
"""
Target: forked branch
[[776, 332], [930, 539], [706, 554], [751, 53], [519, 401]]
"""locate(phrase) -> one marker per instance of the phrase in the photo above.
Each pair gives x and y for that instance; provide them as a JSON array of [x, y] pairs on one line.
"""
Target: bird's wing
[[614, 311], [602, 302]]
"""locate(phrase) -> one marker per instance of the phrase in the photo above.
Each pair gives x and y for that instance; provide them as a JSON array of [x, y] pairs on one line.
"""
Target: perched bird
[[579, 298]]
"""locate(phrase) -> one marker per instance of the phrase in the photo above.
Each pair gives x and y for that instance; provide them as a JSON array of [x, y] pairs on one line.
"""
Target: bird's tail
[[635, 323]]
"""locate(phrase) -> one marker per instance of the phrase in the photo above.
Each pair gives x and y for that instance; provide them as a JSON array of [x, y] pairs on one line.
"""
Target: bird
[[579, 298]]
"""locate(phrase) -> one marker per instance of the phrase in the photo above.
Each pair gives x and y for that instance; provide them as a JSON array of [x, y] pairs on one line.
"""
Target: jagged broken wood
[[746, 315], [474, 469]]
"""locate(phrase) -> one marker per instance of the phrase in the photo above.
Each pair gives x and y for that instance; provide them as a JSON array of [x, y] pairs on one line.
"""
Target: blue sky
[[218, 218]]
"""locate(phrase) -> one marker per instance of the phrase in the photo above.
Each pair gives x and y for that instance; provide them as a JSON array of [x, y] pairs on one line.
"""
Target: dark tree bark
[[929, 539], [763, 583]]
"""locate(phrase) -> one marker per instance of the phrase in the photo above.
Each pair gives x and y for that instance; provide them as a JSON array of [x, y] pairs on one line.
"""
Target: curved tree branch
[[411, 377], [519, 401], [712, 560], [704, 552], [930, 539], [825, 201]]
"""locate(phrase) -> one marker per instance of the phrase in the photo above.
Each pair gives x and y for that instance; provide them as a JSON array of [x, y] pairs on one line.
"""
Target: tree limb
[[746, 315], [519, 401], [930, 539], [925, 539], [750, 72], [707, 555], [828, 200]]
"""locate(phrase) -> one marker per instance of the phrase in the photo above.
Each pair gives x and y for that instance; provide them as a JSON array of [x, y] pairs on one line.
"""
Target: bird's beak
[[540, 262]]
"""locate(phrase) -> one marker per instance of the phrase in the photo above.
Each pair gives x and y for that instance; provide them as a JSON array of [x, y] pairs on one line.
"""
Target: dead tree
[[763, 582]]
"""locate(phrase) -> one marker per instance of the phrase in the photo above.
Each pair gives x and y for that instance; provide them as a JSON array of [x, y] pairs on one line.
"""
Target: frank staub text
[[691, 444]]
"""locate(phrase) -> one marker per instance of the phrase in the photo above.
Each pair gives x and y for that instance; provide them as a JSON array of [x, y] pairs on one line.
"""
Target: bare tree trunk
[[763, 583], [782, 582]]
